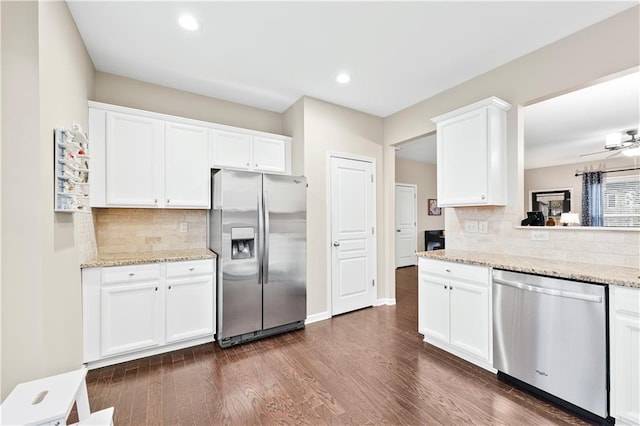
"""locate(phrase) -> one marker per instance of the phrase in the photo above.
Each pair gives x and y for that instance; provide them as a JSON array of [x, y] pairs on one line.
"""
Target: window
[[622, 201]]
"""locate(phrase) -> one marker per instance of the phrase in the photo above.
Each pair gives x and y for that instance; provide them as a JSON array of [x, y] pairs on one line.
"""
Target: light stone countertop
[[122, 259], [600, 274]]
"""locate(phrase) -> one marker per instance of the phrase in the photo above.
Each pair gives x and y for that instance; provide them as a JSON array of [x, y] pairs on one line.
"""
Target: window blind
[[622, 201]]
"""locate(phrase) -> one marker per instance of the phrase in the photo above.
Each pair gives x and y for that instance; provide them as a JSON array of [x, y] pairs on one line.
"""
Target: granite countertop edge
[[123, 259], [599, 274]]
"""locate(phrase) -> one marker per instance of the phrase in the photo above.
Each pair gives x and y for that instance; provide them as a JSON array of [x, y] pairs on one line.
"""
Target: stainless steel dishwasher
[[551, 335]]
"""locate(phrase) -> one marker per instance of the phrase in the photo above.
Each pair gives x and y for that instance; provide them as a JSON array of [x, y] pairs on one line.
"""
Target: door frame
[[415, 215], [374, 218]]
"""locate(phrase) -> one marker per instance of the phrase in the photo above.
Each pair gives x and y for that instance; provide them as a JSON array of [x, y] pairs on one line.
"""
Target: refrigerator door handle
[[260, 249], [265, 254]]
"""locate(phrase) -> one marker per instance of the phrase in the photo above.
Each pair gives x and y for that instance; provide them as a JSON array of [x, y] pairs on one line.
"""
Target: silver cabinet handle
[[155, 200], [482, 197], [336, 243], [168, 201], [445, 287], [448, 270], [192, 268], [156, 288], [248, 164], [397, 230], [131, 274]]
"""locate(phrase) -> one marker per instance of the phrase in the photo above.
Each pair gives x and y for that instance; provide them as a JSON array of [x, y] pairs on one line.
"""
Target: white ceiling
[[269, 54], [560, 130], [422, 150]]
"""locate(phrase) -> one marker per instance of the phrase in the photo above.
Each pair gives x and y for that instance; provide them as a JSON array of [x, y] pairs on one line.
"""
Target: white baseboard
[[317, 317], [388, 301], [91, 365]]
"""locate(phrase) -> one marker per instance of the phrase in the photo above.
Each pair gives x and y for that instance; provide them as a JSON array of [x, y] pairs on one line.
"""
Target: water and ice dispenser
[[242, 242]]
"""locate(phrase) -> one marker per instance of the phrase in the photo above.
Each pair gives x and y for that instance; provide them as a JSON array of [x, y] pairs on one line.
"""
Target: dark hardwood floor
[[368, 366]]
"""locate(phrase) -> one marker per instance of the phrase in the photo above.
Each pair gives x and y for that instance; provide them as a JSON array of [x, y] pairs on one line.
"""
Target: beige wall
[[47, 79], [604, 49], [564, 176], [424, 176], [329, 129], [293, 125], [117, 90]]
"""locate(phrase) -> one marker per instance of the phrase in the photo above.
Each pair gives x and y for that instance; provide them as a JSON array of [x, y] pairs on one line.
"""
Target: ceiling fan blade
[[593, 153], [614, 154]]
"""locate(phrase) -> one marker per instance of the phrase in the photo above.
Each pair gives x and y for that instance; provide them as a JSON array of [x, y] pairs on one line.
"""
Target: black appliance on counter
[[434, 240], [534, 219]]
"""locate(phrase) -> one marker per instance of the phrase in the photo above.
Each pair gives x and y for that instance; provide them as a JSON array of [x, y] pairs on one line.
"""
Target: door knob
[[336, 243]]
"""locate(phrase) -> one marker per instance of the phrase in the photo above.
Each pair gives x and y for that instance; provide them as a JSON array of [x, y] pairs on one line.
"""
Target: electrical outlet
[[483, 226], [471, 226], [539, 236], [183, 227]]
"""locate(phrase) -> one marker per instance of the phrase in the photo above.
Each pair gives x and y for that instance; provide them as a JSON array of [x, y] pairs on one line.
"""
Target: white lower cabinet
[[130, 317], [454, 309], [139, 310], [625, 354], [189, 301]]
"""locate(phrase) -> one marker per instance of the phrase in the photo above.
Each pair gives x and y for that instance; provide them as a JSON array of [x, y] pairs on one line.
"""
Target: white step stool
[[48, 401]]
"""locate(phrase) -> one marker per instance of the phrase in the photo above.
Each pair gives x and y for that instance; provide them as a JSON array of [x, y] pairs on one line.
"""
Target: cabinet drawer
[[130, 273], [627, 300], [191, 267], [455, 271]]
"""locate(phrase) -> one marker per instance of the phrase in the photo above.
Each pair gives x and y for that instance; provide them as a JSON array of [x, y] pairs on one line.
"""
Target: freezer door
[[239, 289], [285, 250]]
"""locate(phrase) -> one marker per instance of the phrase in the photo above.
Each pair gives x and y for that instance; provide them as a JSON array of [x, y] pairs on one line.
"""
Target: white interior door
[[353, 251], [406, 225]]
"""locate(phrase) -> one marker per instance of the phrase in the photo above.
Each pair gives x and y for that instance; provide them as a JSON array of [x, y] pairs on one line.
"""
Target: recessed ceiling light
[[343, 78], [188, 22]]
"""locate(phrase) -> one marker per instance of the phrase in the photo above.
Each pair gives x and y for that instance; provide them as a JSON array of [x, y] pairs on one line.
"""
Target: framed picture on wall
[[433, 208]]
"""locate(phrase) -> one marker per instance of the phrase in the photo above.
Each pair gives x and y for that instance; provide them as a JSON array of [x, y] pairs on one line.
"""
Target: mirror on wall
[[584, 143]]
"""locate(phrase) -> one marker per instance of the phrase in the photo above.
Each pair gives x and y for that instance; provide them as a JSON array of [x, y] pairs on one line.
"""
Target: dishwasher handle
[[549, 291]]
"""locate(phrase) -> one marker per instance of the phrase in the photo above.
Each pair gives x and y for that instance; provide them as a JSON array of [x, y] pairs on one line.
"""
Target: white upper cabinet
[[270, 155], [230, 150], [146, 159], [187, 174], [133, 166], [471, 150], [250, 152]]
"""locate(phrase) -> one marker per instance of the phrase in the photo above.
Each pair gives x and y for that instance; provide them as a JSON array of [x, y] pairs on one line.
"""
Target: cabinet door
[[422, 303], [135, 152], [269, 155], [131, 317], [470, 320], [189, 308], [186, 166], [435, 308], [231, 150], [627, 368], [462, 144], [625, 355]]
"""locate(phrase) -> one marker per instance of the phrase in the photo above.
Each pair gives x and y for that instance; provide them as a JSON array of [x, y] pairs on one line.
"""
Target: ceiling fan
[[615, 144]]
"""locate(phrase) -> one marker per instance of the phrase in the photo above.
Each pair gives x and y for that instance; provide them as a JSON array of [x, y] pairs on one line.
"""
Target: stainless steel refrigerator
[[258, 229]]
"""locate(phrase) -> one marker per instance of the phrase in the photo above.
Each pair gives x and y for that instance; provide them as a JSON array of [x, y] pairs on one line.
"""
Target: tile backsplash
[[85, 236], [601, 246], [143, 230]]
